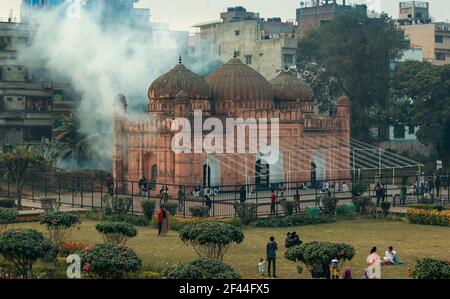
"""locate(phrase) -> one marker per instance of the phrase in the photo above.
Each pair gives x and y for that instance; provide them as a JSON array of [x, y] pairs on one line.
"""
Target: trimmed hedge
[[294, 220], [247, 212], [116, 232], [428, 268], [200, 269], [7, 203], [176, 223], [429, 217], [347, 211]]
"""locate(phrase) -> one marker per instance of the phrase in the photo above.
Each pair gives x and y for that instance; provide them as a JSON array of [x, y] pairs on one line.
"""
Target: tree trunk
[[19, 194]]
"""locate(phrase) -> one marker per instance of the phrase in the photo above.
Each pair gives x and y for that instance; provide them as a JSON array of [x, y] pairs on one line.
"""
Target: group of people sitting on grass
[[292, 239]]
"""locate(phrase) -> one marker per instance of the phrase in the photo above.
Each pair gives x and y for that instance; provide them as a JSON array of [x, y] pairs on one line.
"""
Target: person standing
[[242, 195], [159, 220], [437, 184], [273, 202], [297, 202], [271, 252], [181, 198], [165, 223], [378, 193], [166, 194], [110, 185]]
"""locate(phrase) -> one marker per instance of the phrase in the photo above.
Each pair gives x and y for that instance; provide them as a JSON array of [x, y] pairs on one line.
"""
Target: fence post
[[59, 190], [132, 198], [92, 193], [72, 189], [81, 192], [9, 195], [448, 188], [45, 186], [235, 201], [101, 194]]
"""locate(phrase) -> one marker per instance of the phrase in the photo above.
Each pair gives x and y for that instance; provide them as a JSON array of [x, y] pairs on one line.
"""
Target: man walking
[[271, 251]]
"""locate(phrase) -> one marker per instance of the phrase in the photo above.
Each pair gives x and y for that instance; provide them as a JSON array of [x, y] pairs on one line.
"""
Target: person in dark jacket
[[271, 251], [242, 195]]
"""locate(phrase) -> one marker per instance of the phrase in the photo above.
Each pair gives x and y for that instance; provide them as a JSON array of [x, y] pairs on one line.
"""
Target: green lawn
[[409, 240]]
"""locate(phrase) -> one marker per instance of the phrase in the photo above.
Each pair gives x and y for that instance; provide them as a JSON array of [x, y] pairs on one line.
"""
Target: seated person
[[288, 240], [295, 239], [390, 256]]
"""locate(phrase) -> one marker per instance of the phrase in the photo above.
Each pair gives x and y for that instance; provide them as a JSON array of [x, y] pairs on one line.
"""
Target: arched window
[[154, 176]]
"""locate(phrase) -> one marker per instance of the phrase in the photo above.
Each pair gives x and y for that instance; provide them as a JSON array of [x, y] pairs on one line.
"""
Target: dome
[[121, 100], [237, 81], [287, 87], [179, 78], [343, 101]]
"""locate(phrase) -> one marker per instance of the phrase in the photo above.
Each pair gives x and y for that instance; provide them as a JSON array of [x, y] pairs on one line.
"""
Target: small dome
[[121, 100], [179, 78], [343, 101], [237, 81], [287, 87]]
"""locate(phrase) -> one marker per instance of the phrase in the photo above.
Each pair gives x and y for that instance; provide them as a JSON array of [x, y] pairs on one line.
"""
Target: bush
[[120, 205], [288, 207], [135, 220], [7, 216], [358, 189], [247, 212], [211, 240], [316, 256], [199, 211], [313, 212], [329, 205], [7, 203], [171, 207], [430, 207], [148, 207], [347, 211], [200, 269], [362, 204], [385, 206], [117, 233], [293, 220], [59, 227], [428, 268], [109, 261], [48, 204], [429, 217], [177, 224], [23, 248]]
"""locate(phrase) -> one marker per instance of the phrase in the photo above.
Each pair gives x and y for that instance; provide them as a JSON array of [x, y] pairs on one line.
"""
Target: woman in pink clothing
[[374, 258]]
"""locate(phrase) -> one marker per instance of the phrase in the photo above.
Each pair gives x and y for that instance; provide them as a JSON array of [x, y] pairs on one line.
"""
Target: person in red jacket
[[273, 202], [159, 220]]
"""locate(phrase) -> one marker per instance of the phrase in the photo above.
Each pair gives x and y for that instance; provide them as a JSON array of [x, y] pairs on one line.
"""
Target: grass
[[409, 240]]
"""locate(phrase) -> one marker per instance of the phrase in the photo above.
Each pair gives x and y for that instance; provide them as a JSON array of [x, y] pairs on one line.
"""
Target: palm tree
[[72, 142]]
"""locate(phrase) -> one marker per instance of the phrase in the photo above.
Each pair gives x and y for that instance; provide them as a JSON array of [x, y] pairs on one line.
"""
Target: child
[[334, 268], [260, 266]]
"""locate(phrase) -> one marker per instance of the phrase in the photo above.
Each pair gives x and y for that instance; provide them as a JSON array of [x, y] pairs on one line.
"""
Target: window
[[288, 59], [399, 132], [9, 99], [248, 59], [411, 129], [237, 32], [439, 39], [237, 53], [418, 15], [440, 56]]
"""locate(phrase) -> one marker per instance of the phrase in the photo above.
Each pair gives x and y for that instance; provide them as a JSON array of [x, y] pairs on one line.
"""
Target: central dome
[[179, 78], [287, 87], [237, 81]]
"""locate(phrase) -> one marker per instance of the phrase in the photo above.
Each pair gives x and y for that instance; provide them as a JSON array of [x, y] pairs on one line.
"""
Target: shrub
[[358, 189], [347, 211], [429, 217], [199, 211], [293, 220], [313, 212], [148, 208], [7, 203], [7, 216], [177, 224], [135, 220], [385, 206], [23, 248], [75, 248], [150, 275], [211, 240], [247, 212], [428, 268], [109, 261], [430, 207], [116, 233], [48, 204], [316, 256], [288, 207], [329, 205], [171, 207], [121, 205], [59, 227], [200, 269], [362, 203]]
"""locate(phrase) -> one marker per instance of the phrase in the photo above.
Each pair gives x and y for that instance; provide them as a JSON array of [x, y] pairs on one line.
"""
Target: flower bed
[[429, 217]]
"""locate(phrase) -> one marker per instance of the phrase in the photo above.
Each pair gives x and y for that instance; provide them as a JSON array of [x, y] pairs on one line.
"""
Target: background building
[[432, 37], [265, 45]]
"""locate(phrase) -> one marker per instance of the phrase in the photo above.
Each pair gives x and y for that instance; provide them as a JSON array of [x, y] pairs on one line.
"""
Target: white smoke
[[101, 61]]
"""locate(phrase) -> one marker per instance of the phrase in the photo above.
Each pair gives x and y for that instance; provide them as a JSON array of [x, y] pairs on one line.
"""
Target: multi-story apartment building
[[264, 44], [432, 37]]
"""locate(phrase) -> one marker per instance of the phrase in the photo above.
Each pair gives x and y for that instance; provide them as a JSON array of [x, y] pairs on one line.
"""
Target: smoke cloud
[[102, 60]]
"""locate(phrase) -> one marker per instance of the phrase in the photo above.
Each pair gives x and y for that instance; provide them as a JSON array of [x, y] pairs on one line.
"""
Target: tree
[[73, 143], [317, 256], [117, 233], [354, 53], [59, 227], [426, 89], [211, 240], [17, 162]]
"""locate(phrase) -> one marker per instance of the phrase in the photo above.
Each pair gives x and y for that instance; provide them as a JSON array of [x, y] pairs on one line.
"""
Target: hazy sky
[[182, 14]]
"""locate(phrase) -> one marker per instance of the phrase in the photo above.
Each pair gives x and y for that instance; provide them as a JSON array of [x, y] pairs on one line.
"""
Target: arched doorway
[[211, 172], [319, 161], [154, 176], [262, 178], [269, 168]]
